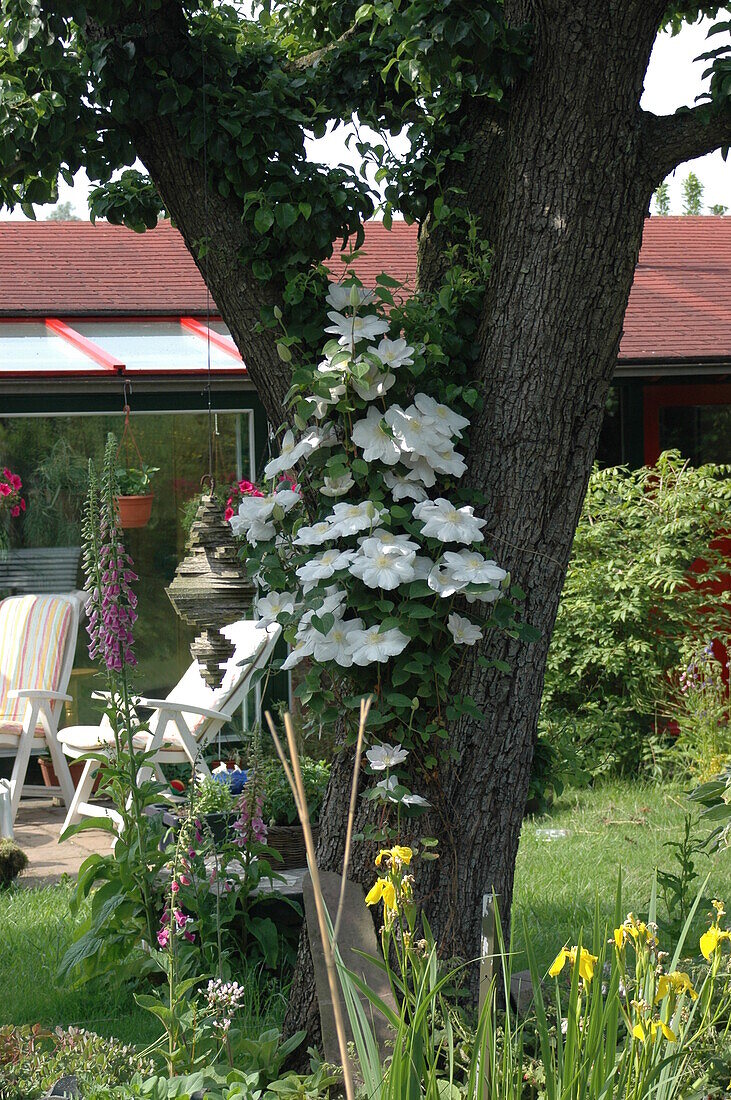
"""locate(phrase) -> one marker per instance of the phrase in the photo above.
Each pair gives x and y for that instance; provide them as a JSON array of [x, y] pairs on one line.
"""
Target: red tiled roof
[[679, 308]]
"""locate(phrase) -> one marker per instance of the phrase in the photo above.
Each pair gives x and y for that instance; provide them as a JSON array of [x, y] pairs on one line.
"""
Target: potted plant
[[12, 504], [76, 767], [47, 559], [284, 832], [135, 497]]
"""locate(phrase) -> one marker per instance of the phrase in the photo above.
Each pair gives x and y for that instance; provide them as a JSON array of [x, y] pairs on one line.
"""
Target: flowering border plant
[[12, 504], [374, 565]]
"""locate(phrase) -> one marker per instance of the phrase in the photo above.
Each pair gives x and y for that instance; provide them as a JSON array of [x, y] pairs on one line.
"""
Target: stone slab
[[37, 829], [356, 934]]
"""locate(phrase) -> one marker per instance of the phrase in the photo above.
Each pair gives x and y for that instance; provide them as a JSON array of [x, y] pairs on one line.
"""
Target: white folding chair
[[182, 725], [37, 646]]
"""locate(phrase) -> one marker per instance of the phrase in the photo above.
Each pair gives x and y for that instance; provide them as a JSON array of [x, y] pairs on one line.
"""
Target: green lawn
[[557, 884], [616, 825]]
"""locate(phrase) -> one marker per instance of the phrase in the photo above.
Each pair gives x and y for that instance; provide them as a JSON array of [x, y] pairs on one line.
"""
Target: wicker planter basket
[[289, 841]]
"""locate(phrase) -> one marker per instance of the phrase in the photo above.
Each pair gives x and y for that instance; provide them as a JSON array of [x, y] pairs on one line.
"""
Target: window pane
[[154, 345], [33, 347], [702, 433], [51, 456]]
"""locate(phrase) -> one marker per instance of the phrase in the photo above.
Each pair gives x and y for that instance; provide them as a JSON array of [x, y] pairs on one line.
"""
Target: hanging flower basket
[[135, 511], [135, 499]]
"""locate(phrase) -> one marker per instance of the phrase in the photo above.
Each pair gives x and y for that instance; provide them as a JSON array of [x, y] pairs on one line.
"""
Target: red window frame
[[664, 396]]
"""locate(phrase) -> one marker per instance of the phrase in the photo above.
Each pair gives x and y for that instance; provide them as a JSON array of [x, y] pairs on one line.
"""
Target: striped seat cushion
[[33, 635]]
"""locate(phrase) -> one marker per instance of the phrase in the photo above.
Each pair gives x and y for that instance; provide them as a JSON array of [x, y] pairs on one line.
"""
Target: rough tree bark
[[562, 183]]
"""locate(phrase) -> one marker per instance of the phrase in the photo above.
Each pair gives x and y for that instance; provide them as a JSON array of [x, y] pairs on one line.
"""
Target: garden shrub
[[13, 860], [629, 608], [33, 1059]]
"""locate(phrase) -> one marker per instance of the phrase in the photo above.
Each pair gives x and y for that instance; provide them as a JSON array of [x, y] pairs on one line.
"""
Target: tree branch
[[689, 133]]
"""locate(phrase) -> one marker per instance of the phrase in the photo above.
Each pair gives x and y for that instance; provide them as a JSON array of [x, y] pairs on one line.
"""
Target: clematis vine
[[378, 572]]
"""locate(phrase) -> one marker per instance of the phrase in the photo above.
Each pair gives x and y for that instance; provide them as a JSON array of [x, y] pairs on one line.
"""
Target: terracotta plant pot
[[50, 778], [135, 511]]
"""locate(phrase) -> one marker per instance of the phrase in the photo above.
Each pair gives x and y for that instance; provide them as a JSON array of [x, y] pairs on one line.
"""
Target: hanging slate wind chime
[[211, 588]]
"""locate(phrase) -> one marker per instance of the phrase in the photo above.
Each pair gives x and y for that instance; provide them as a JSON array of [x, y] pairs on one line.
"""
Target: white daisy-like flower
[[422, 567], [402, 488], [376, 384], [442, 582], [337, 486], [338, 295], [387, 568], [348, 519], [462, 630], [447, 461], [415, 432], [469, 567], [296, 654], [286, 499], [314, 535], [322, 567], [383, 757], [452, 423], [291, 451], [394, 353], [371, 646], [420, 472], [271, 606], [375, 443], [414, 800], [442, 520], [335, 645], [360, 327], [387, 540]]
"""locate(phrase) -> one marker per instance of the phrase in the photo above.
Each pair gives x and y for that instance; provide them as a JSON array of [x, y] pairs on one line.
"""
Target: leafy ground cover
[[37, 931], [557, 883]]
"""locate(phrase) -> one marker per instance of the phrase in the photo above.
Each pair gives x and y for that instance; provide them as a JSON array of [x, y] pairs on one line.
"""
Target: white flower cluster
[[410, 447]]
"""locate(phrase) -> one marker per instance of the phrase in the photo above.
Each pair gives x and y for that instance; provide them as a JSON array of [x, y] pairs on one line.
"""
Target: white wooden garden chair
[[181, 725], [37, 646]]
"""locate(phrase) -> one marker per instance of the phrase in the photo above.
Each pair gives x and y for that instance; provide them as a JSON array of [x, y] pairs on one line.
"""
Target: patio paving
[[37, 828]]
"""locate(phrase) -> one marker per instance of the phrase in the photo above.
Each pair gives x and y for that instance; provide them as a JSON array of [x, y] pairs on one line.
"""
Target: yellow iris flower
[[675, 982], [712, 940], [587, 962], [657, 1027], [398, 855], [384, 891]]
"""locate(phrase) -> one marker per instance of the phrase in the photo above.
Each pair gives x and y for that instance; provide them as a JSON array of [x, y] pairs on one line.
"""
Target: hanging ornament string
[[209, 393], [128, 440]]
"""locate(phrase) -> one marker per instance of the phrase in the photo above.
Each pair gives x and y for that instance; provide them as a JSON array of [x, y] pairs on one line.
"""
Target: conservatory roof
[[81, 299]]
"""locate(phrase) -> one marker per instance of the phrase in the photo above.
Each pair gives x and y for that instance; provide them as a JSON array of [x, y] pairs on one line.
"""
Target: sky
[[673, 80]]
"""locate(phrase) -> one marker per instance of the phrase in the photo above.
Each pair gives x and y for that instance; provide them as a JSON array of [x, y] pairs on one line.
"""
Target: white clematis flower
[[387, 568], [322, 567], [376, 384], [442, 582], [386, 540], [394, 353], [447, 461], [270, 607], [415, 432], [314, 535], [414, 800], [291, 451], [371, 646], [420, 472], [348, 519], [422, 567], [286, 499], [375, 443], [462, 630], [451, 422], [337, 486], [296, 654], [383, 757], [351, 329], [335, 645], [469, 567], [338, 296], [442, 520], [403, 488]]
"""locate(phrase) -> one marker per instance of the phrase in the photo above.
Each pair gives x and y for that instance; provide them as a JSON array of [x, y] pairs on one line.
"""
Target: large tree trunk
[[561, 185], [573, 194]]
